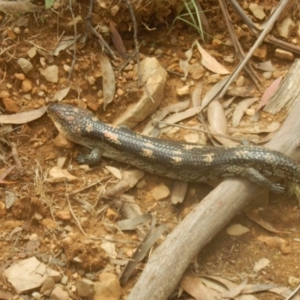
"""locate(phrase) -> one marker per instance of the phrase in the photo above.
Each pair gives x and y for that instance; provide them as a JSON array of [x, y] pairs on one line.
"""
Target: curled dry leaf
[[108, 78], [256, 128], [114, 171], [129, 179], [255, 217], [194, 287], [18, 6], [276, 242], [197, 93], [117, 40], [23, 117], [178, 191], [240, 110], [261, 264], [218, 123]]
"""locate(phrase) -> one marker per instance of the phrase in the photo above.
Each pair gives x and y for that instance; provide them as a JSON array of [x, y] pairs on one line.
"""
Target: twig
[[75, 34], [97, 34], [260, 39], [238, 48], [136, 43]]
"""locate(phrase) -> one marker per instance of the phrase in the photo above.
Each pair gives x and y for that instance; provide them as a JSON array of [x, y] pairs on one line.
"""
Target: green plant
[[191, 16], [49, 3]]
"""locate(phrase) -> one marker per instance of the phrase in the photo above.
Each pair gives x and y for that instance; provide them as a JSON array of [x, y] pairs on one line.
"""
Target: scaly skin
[[182, 161]]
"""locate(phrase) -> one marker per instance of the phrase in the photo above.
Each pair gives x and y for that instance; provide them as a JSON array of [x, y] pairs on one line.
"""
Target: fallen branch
[[169, 261]]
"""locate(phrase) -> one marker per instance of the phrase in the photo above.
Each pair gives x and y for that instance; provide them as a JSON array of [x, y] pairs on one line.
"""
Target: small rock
[[61, 141], [4, 94], [214, 78], [191, 137], [196, 71], [91, 80], [32, 52], [294, 281], [67, 68], [63, 215], [56, 5], [267, 75], [229, 59], [64, 280], [2, 209], [17, 30], [47, 286], [111, 214], [49, 223], [36, 295], [114, 10], [59, 294], [160, 192], [257, 11], [286, 27], [158, 52], [120, 92], [26, 85], [108, 288], [84, 287], [276, 74], [285, 55], [261, 52], [84, 221], [183, 91], [25, 65], [50, 73], [10, 105], [240, 81], [19, 76]]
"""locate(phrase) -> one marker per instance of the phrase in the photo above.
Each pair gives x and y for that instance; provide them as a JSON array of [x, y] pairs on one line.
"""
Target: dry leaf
[[255, 217], [240, 110], [108, 78], [209, 62], [276, 242], [218, 122], [178, 191], [23, 117], [18, 6], [193, 286], [117, 40], [261, 264], [60, 95], [197, 93], [114, 171], [269, 92]]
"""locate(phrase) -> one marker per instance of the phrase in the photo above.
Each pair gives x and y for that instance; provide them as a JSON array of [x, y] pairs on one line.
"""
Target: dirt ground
[[42, 220]]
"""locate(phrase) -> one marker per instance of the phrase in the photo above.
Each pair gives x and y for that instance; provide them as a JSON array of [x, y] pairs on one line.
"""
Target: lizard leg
[[93, 158], [256, 177]]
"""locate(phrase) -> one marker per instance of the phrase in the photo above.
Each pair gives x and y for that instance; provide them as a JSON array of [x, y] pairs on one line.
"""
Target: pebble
[[25, 65], [32, 52], [114, 10], [240, 81], [214, 78], [158, 52], [160, 192], [49, 223], [17, 30], [283, 54], [294, 281], [63, 215], [267, 75], [120, 92], [61, 141], [47, 286], [257, 11], [4, 94], [183, 91], [85, 287], [19, 76], [26, 85], [50, 73], [59, 294], [286, 27], [2, 209], [10, 105]]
